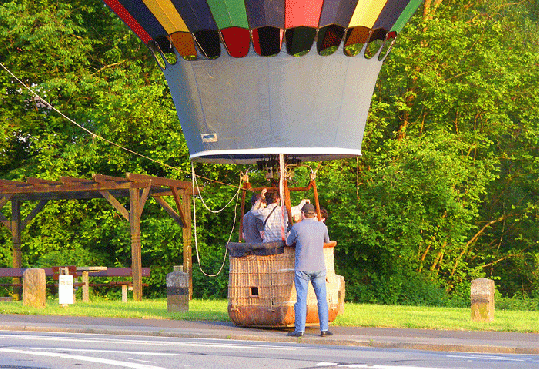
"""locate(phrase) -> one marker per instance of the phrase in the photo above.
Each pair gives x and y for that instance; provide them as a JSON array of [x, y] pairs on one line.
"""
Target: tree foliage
[[445, 192]]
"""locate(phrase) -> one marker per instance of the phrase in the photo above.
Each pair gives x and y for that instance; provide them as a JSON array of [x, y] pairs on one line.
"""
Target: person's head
[[324, 214], [272, 197], [308, 211], [254, 198]]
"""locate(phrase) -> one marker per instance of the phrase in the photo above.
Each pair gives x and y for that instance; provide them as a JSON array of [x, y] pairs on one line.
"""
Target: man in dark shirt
[[309, 237], [253, 228]]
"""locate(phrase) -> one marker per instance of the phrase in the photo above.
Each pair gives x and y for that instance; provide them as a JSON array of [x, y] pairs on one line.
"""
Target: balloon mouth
[[296, 154]]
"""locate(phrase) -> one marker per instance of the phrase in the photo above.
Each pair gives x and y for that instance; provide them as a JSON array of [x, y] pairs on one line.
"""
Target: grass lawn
[[395, 316]]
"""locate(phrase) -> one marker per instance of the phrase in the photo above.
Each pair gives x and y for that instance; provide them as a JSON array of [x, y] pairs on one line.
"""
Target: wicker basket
[[261, 287]]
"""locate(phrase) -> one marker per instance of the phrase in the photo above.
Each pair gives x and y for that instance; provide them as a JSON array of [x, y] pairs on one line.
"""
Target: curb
[[376, 338]]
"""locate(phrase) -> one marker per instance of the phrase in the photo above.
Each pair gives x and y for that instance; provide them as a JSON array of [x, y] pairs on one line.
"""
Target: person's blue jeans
[[301, 281]]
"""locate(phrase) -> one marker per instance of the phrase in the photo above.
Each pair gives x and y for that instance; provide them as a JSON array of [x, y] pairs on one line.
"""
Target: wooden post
[[136, 263], [85, 287], [243, 193], [16, 228], [187, 257], [288, 202], [124, 292], [316, 203]]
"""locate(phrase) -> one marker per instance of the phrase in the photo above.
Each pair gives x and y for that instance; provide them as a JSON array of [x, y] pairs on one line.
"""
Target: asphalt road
[[416, 339], [64, 350]]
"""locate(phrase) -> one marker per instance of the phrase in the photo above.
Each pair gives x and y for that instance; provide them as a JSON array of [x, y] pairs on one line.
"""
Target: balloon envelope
[[236, 106]]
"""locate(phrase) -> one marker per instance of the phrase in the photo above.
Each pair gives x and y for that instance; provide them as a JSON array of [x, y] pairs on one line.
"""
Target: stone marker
[[177, 291], [34, 292], [482, 295]]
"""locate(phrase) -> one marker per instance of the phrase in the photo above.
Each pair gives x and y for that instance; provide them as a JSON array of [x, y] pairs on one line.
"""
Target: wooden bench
[[126, 285], [85, 273], [18, 273]]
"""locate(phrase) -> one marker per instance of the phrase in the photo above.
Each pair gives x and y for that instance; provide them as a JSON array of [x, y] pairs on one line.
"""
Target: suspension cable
[[193, 176], [95, 135], [195, 183]]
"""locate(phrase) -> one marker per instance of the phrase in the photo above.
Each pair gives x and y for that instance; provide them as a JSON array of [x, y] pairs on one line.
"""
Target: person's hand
[[307, 201]]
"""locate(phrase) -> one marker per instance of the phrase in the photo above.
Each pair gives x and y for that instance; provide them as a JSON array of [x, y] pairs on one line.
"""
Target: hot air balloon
[[253, 80], [240, 92]]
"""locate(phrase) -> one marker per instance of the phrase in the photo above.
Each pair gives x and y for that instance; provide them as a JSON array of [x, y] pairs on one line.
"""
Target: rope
[[195, 183], [40, 99], [193, 176], [94, 135], [282, 194]]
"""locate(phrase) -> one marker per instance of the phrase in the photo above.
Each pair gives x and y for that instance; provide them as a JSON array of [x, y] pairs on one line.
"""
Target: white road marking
[[152, 343], [97, 351], [382, 366], [83, 358], [487, 357]]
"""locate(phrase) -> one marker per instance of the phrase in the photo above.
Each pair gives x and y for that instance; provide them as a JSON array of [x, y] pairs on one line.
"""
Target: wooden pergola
[[137, 187]]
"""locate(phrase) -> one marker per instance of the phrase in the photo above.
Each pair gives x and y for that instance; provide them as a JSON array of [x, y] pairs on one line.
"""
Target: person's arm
[[326, 235], [296, 210], [291, 239], [259, 212]]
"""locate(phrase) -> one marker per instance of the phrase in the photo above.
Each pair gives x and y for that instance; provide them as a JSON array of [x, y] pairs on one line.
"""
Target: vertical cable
[[281, 192]]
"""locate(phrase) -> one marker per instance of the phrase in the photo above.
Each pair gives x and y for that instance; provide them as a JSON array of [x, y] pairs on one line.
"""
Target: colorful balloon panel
[[166, 14], [229, 13], [389, 14], [337, 12], [184, 44], [131, 22], [406, 15], [264, 13], [366, 13], [262, 23], [196, 14], [302, 13]]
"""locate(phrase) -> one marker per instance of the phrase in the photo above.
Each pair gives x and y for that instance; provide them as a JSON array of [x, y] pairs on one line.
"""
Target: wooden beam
[[12, 186], [5, 221], [70, 181], [170, 211], [4, 200], [42, 182], [143, 198], [179, 205], [288, 202], [34, 212], [160, 181], [6, 183], [104, 178], [112, 200]]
